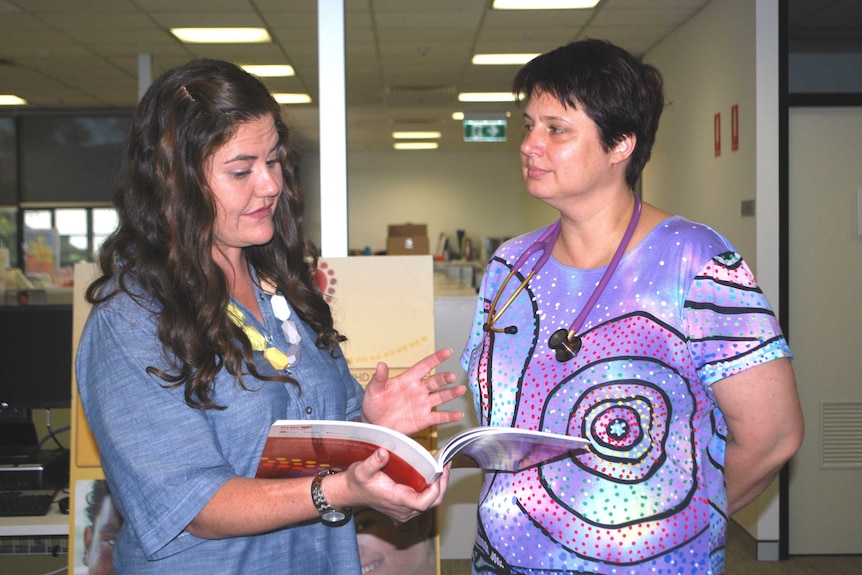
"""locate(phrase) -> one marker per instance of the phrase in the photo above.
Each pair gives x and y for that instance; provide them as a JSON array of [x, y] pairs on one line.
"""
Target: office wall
[[708, 66], [481, 192], [308, 165]]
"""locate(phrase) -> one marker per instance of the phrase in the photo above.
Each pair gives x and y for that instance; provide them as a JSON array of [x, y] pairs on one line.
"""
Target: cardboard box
[[407, 240]]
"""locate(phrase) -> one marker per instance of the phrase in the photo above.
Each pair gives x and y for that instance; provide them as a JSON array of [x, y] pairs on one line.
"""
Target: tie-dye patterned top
[[681, 312]]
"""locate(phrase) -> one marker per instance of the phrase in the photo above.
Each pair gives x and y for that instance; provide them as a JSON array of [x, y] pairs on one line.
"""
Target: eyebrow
[[547, 118], [248, 157], [240, 158]]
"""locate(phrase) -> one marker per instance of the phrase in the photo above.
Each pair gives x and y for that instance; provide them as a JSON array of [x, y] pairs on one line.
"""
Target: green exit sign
[[484, 130]]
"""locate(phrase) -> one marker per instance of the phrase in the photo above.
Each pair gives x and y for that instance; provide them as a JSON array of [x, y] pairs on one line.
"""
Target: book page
[[509, 449]]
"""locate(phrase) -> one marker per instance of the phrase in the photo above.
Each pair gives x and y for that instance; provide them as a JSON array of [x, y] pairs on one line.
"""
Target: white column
[[767, 223], [333, 128], [145, 73]]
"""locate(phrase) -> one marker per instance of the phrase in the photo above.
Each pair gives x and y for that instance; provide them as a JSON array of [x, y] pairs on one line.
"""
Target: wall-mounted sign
[[485, 130]]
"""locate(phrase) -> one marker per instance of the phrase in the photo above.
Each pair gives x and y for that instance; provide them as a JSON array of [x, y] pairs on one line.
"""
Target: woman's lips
[[534, 172], [259, 214]]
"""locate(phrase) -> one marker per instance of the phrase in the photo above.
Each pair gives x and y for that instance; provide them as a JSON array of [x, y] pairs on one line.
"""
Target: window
[[80, 231], [9, 236]]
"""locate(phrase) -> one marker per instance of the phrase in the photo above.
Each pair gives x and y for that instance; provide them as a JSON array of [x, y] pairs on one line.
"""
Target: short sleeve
[[161, 458], [729, 323]]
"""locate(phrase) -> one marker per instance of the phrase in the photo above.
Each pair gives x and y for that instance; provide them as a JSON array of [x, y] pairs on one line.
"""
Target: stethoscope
[[566, 343]]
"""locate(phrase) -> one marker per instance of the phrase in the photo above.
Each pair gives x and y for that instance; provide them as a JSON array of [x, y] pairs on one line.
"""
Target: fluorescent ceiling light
[[415, 145], [270, 70], [486, 97], [291, 98], [416, 135], [222, 35], [502, 59], [11, 100], [458, 116], [544, 4]]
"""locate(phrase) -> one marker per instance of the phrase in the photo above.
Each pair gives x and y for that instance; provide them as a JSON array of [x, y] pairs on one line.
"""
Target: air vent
[[419, 96], [841, 435], [418, 90]]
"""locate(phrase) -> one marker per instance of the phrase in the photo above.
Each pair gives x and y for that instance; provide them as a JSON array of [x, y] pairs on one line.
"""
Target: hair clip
[[187, 93]]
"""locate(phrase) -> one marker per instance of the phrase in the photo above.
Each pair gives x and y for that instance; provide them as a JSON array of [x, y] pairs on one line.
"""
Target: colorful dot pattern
[[681, 312]]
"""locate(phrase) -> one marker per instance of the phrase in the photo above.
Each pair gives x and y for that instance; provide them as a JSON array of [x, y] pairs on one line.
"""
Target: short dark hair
[[620, 93], [95, 499]]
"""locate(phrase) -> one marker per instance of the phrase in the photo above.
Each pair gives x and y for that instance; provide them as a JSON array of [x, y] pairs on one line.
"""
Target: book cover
[[302, 448]]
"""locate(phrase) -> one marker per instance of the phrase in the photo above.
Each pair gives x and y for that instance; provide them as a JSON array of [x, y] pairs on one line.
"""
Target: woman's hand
[[407, 402], [245, 506], [364, 484]]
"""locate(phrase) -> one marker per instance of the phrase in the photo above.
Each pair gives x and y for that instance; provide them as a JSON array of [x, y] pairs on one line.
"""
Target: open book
[[298, 447]]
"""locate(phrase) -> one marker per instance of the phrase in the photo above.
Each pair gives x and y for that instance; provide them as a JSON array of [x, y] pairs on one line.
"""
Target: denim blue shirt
[[164, 460]]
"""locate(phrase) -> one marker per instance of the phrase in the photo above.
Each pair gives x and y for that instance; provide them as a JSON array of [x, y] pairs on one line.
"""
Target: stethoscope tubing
[[545, 242]]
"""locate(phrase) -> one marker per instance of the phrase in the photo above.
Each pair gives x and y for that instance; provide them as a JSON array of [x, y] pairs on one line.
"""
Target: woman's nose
[[270, 183], [531, 144]]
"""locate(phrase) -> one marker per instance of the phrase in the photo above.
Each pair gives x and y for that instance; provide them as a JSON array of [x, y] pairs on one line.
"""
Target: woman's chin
[[371, 567]]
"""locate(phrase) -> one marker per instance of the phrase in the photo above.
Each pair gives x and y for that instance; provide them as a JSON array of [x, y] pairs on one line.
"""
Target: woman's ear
[[624, 148]]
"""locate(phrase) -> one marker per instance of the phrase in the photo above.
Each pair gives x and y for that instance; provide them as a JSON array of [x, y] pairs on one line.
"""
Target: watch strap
[[328, 514]]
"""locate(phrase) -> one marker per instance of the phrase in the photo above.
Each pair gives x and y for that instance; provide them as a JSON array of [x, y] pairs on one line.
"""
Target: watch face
[[333, 516]]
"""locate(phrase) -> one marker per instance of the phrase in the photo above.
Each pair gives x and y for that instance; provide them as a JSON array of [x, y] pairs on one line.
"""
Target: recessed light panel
[[544, 4], [502, 59], [416, 135], [291, 98], [11, 100], [415, 145], [270, 70], [486, 97], [222, 35]]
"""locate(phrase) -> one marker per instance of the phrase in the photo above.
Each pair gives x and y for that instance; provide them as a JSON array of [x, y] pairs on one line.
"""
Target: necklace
[[278, 359]]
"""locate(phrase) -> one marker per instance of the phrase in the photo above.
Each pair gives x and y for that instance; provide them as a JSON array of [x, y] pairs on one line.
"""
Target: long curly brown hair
[[167, 215]]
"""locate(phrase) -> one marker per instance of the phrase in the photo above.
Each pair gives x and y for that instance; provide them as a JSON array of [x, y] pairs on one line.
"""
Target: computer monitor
[[35, 371]]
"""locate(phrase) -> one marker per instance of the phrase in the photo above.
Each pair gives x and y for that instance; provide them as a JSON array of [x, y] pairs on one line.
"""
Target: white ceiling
[[406, 59]]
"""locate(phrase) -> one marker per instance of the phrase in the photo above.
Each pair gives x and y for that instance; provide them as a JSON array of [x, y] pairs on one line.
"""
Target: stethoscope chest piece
[[565, 344]]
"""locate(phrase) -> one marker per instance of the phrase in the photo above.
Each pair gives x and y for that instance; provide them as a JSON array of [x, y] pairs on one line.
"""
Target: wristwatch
[[328, 514]]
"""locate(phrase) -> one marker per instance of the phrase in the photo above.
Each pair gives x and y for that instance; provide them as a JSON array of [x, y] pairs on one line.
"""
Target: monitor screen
[[36, 356], [8, 164], [82, 154]]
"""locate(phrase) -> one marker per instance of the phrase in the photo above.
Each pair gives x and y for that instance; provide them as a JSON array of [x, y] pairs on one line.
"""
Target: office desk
[[54, 524], [28, 544]]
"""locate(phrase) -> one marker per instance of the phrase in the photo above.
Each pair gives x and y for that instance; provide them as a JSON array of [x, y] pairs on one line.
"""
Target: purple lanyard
[[612, 267]]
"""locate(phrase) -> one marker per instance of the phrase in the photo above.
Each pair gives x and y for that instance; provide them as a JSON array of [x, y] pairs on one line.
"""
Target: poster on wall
[[388, 319], [42, 249]]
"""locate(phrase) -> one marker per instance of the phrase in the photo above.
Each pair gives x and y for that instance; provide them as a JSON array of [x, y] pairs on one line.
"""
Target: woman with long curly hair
[[206, 327]]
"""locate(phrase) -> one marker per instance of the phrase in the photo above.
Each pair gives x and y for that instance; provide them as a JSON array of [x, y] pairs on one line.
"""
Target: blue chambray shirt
[[164, 460]]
